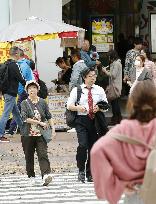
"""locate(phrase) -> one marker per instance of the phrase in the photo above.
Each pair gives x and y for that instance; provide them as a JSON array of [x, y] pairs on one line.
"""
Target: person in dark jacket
[[36, 116], [10, 93]]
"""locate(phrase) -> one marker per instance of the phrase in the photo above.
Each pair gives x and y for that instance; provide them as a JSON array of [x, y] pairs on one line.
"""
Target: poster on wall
[[56, 103], [153, 31], [102, 32], [4, 52], [26, 46]]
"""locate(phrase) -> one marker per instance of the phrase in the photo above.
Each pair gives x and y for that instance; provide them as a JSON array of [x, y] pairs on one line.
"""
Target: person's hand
[[44, 125], [126, 78], [96, 108], [104, 69], [54, 81], [81, 109], [53, 133], [129, 191], [98, 62], [129, 83]]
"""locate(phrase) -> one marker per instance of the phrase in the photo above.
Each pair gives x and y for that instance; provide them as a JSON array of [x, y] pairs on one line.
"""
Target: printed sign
[[26, 46], [57, 108], [4, 52], [102, 33]]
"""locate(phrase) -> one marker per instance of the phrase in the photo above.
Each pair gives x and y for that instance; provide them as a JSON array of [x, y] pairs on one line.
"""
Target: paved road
[[64, 189]]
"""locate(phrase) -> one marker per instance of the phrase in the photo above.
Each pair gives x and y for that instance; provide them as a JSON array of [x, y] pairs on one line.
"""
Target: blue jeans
[[9, 107], [13, 124]]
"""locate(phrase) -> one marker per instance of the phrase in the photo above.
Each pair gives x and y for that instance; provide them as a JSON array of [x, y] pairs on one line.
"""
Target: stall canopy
[[35, 29], [38, 29]]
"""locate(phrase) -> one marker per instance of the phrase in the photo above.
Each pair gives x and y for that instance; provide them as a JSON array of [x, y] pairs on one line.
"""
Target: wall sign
[[57, 108], [153, 31], [103, 32]]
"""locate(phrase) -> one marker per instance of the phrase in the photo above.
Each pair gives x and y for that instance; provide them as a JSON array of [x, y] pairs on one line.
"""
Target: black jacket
[[100, 120], [14, 77]]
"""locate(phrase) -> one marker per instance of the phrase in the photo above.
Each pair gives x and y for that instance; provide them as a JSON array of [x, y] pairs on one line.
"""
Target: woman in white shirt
[[142, 73], [149, 64]]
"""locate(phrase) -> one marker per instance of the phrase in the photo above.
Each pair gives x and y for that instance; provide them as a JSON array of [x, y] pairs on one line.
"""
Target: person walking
[[10, 93], [115, 75], [118, 167], [22, 95], [141, 73], [35, 114], [78, 68], [149, 64], [85, 121], [129, 71]]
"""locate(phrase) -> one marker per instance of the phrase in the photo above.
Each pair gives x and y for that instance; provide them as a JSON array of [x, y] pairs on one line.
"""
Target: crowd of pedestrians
[[111, 173]]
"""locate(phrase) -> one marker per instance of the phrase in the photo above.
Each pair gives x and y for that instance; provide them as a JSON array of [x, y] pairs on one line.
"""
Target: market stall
[[36, 29]]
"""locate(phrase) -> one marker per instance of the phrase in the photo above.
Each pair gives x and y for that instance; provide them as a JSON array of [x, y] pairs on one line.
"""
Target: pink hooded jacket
[[114, 163]]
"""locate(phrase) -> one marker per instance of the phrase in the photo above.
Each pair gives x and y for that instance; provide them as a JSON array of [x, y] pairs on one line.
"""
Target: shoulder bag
[[112, 92], [71, 115]]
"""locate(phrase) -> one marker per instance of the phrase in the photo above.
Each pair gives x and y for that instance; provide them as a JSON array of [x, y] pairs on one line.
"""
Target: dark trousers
[[87, 136], [116, 108], [30, 144]]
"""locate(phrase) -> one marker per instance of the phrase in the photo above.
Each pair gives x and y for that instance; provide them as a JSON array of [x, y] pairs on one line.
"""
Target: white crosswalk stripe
[[64, 189]]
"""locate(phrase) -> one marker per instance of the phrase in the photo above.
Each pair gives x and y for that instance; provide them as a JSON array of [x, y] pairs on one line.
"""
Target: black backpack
[[71, 115], [43, 92], [4, 77]]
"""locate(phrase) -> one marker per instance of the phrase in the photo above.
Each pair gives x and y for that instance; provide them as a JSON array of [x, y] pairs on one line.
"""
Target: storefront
[[131, 17]]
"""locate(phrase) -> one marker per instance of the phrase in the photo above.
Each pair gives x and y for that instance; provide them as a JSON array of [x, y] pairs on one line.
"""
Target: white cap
[[32, 82]]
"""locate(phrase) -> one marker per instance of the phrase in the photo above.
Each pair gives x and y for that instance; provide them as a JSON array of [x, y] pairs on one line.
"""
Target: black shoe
[[89, 179], [81, 176]]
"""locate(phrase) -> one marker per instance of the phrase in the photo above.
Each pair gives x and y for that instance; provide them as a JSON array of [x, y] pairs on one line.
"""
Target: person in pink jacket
[[117, 166]]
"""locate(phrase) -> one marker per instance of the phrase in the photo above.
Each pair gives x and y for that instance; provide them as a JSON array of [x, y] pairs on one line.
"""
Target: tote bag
[[112, 92]]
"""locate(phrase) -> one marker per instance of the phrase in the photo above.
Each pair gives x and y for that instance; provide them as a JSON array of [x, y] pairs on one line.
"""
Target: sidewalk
[[61, 151]]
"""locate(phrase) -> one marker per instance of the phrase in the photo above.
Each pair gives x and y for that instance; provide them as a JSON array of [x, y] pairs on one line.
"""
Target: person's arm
[[72, 100], [103, 95], [74, 77], [49, 118], [25, 116], [88, 61], [128, 64], [18, 73], [116, 67]]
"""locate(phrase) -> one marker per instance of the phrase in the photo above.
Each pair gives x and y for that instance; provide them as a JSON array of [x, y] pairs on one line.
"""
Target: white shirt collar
[[79, 61], [84, 86]]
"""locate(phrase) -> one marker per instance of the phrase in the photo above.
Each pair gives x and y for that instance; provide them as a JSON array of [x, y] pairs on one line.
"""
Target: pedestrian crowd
[[116, 167]]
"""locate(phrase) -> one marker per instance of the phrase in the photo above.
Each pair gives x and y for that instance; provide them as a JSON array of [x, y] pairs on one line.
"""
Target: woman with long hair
[[115, 75], [118, 167], [142, 73], [149, 64]]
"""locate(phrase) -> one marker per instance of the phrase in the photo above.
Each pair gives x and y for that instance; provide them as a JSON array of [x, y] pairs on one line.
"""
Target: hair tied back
[[146, 107]]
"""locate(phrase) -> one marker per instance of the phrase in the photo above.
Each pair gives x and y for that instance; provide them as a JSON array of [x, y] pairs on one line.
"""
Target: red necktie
[[90, 104]]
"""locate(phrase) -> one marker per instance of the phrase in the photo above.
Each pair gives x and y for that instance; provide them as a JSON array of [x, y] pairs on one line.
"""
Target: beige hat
[[32, 82]]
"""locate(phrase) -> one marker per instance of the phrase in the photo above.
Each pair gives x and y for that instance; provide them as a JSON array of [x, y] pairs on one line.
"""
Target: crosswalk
[[64, 188]]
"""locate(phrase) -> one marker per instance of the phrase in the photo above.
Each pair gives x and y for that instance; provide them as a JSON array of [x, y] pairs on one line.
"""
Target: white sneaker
[[47, 179], [71, 130], [32, 181]]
